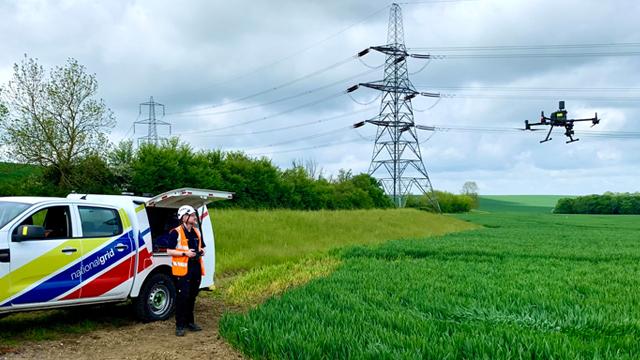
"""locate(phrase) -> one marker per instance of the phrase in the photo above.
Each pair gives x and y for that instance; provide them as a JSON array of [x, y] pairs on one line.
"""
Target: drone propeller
[[595, 121]]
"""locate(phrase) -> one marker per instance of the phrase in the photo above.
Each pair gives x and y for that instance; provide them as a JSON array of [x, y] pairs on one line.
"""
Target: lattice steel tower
[[397, 160], [152, 133]]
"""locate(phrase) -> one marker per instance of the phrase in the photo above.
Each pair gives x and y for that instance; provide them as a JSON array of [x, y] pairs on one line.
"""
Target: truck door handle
[[121, 247], [69, 250], [5, 256]]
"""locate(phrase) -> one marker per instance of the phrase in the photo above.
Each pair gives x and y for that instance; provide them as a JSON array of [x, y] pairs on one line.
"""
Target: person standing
[[186, 248]]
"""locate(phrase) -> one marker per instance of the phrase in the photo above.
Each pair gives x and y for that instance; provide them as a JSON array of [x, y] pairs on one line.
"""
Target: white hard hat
[[185, 210]]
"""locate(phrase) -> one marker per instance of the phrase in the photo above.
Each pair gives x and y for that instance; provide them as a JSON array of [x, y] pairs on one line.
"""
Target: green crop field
[[529, 285], [519, 203], [247, 239]]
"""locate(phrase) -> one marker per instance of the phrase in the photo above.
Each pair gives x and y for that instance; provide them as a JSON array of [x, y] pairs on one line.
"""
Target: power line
[[534, 55], [248, 107], [432, 2], [309, 137], [315, 122], [525, 47], [468, 129], [540, 97], [536, 89], [263, 118], [274, 88], [331, 143]]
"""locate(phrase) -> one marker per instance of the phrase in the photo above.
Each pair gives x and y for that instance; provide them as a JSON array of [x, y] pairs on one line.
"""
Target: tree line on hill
[[607, 203], [52, 122]]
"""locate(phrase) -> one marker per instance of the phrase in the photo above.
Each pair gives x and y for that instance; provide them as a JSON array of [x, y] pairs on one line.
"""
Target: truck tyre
[[157, 298]]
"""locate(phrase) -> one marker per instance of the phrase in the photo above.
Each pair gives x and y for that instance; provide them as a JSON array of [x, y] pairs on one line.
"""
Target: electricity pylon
[[397, 160], [152, 122]]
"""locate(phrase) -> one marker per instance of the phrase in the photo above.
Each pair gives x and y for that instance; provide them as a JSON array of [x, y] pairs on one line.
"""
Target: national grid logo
[[97, 261]]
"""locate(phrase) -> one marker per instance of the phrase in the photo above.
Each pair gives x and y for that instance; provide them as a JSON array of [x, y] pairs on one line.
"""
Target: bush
[[256, 182], [449, 203]]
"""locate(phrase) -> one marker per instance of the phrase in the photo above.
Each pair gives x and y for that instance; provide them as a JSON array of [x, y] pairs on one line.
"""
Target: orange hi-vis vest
[[180, 264]]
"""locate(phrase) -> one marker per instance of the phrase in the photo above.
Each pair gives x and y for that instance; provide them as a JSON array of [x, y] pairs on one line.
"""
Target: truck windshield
[[9, 210]]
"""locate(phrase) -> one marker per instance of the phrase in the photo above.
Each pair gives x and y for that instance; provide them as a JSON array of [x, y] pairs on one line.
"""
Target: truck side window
[[55, 220], [99, 222]]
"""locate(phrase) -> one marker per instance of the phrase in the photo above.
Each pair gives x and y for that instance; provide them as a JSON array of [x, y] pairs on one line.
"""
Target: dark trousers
[[187, 288]]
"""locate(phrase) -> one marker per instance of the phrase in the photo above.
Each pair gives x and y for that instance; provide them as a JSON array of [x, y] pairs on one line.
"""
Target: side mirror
[[27, 232]]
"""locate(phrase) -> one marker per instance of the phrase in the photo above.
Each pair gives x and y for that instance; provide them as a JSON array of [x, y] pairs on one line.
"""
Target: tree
[[470, 188], [120, 160], [54, 121]]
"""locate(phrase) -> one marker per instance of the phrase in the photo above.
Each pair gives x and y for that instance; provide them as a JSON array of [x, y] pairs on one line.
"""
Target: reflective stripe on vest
[[180, 264]]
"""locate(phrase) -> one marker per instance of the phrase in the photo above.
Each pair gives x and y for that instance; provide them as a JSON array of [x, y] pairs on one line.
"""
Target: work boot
[[194, 327], [179, 331]]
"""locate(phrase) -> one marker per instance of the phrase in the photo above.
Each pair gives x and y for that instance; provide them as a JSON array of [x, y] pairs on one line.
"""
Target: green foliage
[[608, 203], [257, 183], [160, 168], [120, 161], [91, 174], [523, 287], [449, 203], [21, 180]]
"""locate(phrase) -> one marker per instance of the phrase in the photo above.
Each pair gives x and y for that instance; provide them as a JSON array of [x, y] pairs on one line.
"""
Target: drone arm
[[535, 124]]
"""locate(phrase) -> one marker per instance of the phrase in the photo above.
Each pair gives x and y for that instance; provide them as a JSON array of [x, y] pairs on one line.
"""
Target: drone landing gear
[[548, 134]]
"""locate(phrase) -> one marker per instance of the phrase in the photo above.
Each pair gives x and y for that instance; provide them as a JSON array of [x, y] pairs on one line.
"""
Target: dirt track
[[138, 341]]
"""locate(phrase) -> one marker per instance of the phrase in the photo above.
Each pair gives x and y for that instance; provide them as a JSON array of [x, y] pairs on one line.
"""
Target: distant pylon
[[152, 133], [397, 160]]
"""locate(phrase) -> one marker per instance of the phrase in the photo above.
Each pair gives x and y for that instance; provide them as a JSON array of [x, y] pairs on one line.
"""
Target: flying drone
[[559, 118]]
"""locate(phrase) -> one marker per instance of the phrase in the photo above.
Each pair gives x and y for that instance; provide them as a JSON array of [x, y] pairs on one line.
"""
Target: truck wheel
[[157, 298]]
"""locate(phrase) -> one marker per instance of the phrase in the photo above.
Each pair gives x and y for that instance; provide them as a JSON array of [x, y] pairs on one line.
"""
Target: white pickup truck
[[90, 249]]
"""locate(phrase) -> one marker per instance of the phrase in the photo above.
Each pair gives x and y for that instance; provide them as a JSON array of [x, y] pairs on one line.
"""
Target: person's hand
[[190, 253], [201, 252]]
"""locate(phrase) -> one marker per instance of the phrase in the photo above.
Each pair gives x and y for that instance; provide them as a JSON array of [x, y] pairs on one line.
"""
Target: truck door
[[108, 253], [44, 268], [9, 210]]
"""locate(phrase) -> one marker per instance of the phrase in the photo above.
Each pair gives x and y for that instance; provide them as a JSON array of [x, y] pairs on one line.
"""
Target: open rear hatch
[[187, 196]]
